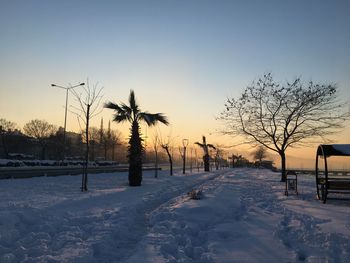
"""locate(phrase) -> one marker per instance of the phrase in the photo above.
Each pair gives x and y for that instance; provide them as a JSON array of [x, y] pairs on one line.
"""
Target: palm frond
[[132, 102], [199, 144], [127, 111], [153, 118], [120, 118], [112, 106], [211, 146], [122, 112]]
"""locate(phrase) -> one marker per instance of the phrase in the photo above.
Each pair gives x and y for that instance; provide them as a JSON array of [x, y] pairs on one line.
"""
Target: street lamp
[[191, 160], [184, 143], [65, 114]]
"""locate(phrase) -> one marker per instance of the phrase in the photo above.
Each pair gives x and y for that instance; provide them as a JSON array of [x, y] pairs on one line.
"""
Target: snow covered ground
[[243, 216]]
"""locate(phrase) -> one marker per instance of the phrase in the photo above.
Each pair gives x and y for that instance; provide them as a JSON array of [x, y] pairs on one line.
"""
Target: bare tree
[[205, 147], [88, 99], [218, 157], [108, 140], [234, 158], [40, 130], [115, 139], [155, 146], [168, 148], [183, 158], [259, 154], [101, 133], [111, 138], [6, 127], [279, 116], [196, 158], [94, 138]]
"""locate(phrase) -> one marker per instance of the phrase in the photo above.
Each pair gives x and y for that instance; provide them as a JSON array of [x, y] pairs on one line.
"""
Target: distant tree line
[[41, 140]]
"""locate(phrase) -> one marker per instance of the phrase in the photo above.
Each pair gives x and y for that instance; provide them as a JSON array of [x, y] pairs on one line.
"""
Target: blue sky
[[183, 58]]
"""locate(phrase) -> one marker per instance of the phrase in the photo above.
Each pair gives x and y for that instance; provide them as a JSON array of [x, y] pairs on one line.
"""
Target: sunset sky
[[182, 58]]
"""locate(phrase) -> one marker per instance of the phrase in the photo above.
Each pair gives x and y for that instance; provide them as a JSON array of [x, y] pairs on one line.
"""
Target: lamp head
[[184, 142]]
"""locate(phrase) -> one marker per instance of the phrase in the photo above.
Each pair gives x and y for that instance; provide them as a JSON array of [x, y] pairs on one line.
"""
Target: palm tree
[[205, 147], [134, 115]]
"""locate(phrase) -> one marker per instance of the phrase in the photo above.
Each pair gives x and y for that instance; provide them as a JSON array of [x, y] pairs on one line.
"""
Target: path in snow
[[132, 222], [57, 223], [243, 217], [225, 226]]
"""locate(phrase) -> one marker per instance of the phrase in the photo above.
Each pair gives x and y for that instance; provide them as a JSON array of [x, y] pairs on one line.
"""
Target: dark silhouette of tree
[[279, 116], [205, 147], [219, 161], [234, 158], [196, 158], [40, 130], [94, 138], [168, 149], [183, 154], [101, 133], [114, 141], [259, 154], [155, 147], [89, 102], [107, 140], [103, 142], [73, 144], [6, 127], [134, 115], [241, 161]]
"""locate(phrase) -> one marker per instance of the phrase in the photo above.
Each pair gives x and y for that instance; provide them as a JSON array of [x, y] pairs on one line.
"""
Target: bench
[[327, 182]]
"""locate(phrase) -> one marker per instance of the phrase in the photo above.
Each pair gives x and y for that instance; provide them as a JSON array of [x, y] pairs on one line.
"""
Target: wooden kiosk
[[330, 182]]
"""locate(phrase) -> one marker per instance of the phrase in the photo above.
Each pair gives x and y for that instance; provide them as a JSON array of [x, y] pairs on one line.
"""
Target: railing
[[336, 172], [25, 172]]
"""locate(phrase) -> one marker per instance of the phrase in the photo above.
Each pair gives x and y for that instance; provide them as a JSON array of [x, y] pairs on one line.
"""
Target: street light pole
[[184, 143], [65, 113], [191, 160]]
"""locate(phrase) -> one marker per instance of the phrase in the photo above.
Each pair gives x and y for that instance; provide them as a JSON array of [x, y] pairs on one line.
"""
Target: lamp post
[[184, 144], [65, 114], [191, 160]]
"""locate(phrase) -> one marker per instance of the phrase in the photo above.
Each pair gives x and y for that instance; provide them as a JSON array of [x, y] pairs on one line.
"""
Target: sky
[[182, 58]]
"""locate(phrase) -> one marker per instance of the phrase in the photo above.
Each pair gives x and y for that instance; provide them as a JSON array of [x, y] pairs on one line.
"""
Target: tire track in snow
[[176, 240], [299, 232], [121, 243], [94, 228]]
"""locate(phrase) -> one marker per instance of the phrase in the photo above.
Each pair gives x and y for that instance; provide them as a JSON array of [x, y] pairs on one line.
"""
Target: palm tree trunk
[[206, 162], [135, 156]]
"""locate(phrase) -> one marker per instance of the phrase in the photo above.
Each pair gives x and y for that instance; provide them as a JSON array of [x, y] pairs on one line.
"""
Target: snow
[[243, 216]]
